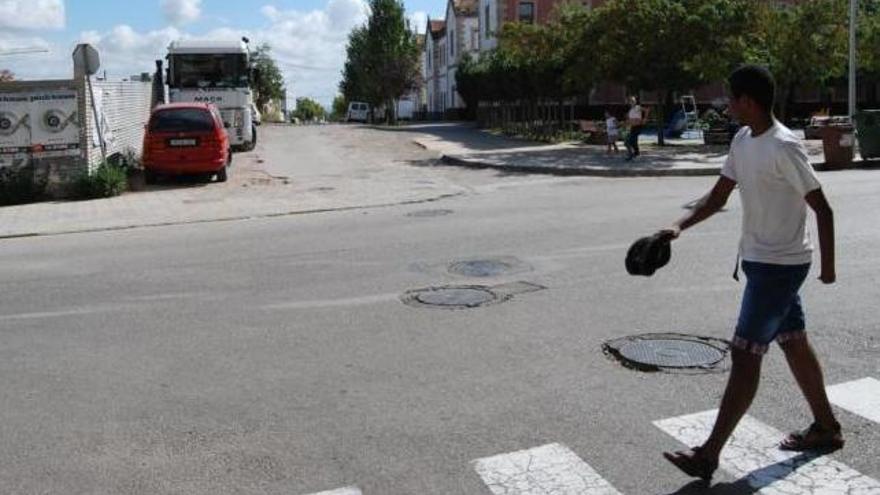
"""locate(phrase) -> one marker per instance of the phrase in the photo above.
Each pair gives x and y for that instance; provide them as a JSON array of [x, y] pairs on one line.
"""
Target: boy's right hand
[[670, 233]]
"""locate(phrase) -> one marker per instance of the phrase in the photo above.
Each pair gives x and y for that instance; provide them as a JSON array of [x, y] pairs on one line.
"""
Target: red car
[[186, 138]]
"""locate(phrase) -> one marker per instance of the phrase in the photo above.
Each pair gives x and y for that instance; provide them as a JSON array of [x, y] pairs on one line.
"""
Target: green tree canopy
[[308, 110], [269, 83], [382, 57], [671, 45], [804, 46], [340, 107]]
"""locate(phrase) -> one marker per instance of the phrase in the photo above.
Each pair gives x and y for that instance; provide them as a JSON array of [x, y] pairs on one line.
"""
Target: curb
[[583, 171]]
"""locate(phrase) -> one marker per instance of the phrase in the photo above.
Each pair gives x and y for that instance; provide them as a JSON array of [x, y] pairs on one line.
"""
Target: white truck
[[217, 72]]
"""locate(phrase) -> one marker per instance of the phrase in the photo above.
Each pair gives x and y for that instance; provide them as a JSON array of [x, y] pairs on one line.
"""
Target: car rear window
[[182, 120]]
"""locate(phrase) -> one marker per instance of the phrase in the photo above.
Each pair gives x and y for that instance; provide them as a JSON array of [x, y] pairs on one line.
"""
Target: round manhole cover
[[428, 213], [654, 352], [453, 297], [480, 268]]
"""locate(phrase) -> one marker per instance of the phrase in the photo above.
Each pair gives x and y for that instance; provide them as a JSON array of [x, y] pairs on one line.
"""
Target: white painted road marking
[[860, 397], [350, 490], [753, 454], [549, 469]]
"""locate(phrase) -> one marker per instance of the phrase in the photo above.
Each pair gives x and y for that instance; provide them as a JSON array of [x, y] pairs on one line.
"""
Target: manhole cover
[[655, 352], [488, 267], [453, 297], [480, 268], [428, 213]]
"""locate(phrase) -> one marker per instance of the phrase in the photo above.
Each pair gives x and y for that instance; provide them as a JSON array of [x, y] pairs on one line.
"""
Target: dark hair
[[756, 82]]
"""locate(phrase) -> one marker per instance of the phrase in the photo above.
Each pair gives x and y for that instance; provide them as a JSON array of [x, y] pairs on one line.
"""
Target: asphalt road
[[276, 355]]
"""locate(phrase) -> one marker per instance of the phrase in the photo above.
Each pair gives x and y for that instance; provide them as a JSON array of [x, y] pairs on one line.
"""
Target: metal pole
[[98, 125], [853, 11]]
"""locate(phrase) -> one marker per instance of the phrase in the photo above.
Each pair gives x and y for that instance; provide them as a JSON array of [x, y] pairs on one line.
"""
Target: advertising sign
[[54, 121], [15, 133]]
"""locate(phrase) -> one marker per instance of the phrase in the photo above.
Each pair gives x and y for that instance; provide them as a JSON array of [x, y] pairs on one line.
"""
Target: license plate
[[182, 142]]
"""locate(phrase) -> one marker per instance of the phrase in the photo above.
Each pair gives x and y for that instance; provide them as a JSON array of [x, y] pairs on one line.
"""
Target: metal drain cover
[[480, 268], [454, 297], [428, 213], [654, 352], [451, 296]]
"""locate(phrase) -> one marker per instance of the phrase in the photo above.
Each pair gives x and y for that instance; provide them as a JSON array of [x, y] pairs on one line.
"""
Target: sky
[[307, 36]]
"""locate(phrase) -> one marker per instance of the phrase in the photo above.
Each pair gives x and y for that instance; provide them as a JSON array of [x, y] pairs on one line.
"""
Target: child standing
[[613, 132]]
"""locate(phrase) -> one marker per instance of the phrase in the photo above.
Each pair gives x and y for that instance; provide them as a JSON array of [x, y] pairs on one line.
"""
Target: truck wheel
[[253, 144], [150, 177]]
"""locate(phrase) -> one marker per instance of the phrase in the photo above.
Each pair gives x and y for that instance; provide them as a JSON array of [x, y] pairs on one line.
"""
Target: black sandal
[[692, 463], [815, 437]]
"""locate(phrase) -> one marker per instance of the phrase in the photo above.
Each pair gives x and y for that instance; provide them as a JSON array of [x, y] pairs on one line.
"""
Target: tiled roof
[[438, 26]]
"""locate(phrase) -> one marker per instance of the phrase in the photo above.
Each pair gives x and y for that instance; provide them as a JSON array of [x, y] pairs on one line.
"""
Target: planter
[[717, 136]]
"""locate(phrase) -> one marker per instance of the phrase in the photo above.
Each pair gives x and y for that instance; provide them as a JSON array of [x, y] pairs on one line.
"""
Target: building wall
[[489, 25]]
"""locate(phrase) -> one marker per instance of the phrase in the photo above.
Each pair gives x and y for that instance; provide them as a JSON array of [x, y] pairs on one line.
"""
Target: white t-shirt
[[611, 126], [635, 114], [774, 174]]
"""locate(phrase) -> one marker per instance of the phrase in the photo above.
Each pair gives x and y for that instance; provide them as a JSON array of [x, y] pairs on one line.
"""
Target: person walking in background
[[776, 182], [612, 130], [635, 120]]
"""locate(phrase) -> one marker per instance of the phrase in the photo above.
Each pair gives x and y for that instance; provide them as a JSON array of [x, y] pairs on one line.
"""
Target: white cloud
[[179, 12], [309, 46], [32, 14], [53, 63], [418, 21]]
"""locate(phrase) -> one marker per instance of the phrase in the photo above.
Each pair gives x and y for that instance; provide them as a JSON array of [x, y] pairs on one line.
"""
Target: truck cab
[[218, 73]]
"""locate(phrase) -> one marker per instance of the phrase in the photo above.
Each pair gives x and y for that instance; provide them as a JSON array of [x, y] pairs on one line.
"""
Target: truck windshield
[[210, 70]]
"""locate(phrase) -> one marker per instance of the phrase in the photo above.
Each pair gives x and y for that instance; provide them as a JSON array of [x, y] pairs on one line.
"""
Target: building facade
[[446, 43]]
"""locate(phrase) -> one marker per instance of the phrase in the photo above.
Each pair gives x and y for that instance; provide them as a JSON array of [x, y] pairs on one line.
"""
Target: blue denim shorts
[[771, 307]]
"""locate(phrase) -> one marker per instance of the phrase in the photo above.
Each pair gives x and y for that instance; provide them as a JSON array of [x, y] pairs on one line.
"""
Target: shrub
[[18, 185], [107, 181]]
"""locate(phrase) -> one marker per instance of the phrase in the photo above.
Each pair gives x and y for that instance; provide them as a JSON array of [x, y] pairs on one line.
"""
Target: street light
[[853, 10]]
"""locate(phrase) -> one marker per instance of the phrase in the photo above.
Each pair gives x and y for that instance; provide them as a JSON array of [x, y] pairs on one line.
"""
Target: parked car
[[184, 139], [357, 112]]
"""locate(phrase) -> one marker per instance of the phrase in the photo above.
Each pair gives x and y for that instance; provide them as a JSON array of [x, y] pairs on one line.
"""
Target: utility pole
[[853, 12]]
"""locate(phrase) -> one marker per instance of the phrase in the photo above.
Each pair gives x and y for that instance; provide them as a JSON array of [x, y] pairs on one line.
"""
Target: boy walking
[[776, 182]]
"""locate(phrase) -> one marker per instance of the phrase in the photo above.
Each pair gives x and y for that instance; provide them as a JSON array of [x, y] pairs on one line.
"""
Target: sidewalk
[[464, 145], [250, 193]]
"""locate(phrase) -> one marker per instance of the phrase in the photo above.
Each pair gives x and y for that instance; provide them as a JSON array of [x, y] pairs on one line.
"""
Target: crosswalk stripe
[[860, 397], [753, 454], [350, 490], [545, 470]]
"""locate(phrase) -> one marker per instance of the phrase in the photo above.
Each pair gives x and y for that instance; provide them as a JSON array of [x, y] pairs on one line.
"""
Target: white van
[[358, 111], [405, 109]]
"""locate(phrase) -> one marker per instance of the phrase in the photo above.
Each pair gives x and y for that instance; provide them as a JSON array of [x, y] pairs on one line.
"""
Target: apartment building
[[447, 41]]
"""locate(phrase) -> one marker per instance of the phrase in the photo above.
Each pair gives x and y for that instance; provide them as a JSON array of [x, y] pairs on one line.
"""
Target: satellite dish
[[86, 59]]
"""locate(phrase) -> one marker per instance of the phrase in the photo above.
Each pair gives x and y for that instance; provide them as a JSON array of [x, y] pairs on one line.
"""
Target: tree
[[355, 85], [6, 75], [803, 46], [269, 83], [308, 110], [382, 58], [340, 107], [671, 46]]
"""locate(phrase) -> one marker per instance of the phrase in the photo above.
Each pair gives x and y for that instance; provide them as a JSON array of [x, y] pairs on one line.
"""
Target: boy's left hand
[[828, 276]]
